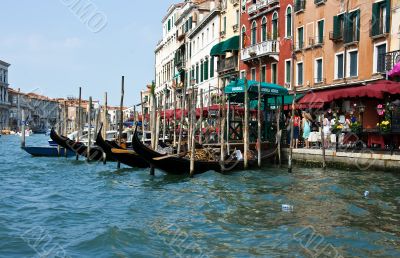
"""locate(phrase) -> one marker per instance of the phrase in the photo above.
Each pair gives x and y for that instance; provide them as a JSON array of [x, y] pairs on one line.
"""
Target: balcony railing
[[336, 37], [299, 5], [227, 64], [315, 41], [261, 49], [298, 46], [392, 58], [377, 30], [319, 2], [252, 9]]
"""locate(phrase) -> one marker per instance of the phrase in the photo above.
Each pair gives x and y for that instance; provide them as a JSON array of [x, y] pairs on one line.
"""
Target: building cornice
[[206, 20], [4, 63]]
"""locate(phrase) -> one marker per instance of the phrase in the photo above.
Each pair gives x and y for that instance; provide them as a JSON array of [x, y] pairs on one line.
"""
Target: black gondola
[[125, 157], [179, 165], [96, 153]]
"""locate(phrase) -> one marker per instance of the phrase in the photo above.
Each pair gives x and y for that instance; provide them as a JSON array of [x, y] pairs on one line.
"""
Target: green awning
[[216, 50], [237, 87], [287, 100], [231, 44]]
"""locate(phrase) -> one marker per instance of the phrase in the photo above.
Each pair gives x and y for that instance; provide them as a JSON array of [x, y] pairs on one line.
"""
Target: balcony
[[335, 37], [319, 2], [391, 59], [252, 9], [225, 65], [235, 27], [298, 46], [262, 4], [299, 5], [261, 49], [315, 41], [377, 30]]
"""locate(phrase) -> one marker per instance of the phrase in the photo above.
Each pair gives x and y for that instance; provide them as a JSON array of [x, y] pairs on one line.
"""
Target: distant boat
[[27, 133], [48, 151]]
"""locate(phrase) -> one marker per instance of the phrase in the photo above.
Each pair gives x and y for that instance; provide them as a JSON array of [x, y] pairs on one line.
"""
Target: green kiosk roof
[[237, 87]]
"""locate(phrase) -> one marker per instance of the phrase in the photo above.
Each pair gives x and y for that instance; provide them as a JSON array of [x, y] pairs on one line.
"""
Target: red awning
[[374, 90]]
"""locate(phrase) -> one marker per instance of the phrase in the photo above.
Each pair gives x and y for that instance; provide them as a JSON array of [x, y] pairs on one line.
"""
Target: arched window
[[243, 36], [264, 29], [254, 33], [289, 21], [275, 26]]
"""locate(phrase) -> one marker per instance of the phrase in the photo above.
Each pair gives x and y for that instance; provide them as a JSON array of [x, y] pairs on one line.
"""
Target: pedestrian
[[305, 125], [327, 130], [296, 130]]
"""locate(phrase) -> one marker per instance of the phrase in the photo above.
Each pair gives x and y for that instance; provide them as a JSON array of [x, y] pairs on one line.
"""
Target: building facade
[[201, 67], [4, 99], [340, 42], [266, 41]]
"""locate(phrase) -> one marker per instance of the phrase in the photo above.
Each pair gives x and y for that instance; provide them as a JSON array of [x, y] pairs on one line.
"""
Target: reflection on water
[[50, 206]]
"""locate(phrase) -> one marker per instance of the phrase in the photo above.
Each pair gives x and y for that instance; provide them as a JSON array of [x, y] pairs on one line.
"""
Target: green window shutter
[[336, 27], [375, 19], [201, 72], [225, 23], [388, 11], [321, 31], [212, 67], [357, 13], [206, 70], [190, 22], [347, 28], [264, 31], [197, 73]]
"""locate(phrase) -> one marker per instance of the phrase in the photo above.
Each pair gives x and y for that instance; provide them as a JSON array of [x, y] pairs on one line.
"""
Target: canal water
[[57, 207]]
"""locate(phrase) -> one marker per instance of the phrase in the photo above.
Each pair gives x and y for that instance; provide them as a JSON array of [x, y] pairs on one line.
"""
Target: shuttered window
[[320, 39], [201, 72], [206, 70], [353, 63], [212, 67]]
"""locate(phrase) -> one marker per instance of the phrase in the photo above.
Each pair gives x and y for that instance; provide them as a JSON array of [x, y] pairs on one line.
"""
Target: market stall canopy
[[231, 44], [395, 71], [376, 90], [237, 87]]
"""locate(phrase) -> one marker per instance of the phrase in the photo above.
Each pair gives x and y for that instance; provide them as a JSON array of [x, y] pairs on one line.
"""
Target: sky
[[54, 46]]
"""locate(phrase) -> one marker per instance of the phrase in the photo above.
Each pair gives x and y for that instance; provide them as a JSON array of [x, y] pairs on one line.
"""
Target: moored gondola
[[96, 153], [111, 148], [175, 164]]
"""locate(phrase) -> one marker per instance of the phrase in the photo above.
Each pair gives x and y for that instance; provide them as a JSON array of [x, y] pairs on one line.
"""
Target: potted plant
[[337, 128], [356, 127], [384, 126]]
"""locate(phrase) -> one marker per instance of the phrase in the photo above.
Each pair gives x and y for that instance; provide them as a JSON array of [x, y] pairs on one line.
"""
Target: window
[[380, 23], [288, 69], [206, 69], [320, 32], [289, 21], [225, 24], [253, 33], [264, 29], [318, 71], [197, 73], [379, 59], [274, 72], [237, 17], [192, 74], [338, 27], [253, 74], [213, 31], [299, 74], [201, 72], [243, 37], [352, 27], [300, 38], [212, 67], [169, 25], [275, 25], [263, 74], [339, 69], [242, 74], [190, 22], [353, 63]]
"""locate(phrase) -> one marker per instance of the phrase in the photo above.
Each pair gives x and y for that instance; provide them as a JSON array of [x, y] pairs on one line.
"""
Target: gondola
[[173, 164], [96, 153], [125, 157]]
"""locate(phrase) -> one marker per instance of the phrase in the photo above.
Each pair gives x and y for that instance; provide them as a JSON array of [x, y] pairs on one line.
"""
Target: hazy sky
[[53, 48]]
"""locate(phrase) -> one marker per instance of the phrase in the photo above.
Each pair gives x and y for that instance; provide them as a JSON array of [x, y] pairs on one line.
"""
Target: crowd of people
[[306, 124]]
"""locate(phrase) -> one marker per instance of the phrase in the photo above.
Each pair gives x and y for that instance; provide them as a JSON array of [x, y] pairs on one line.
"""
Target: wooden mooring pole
[[182, 120], [193, 130], [79, 120], [121, 115], [259, 126], [23, 129], [292, 142], [89, 130], [174, 144], [321, 121], [246, 125], [142, 106]]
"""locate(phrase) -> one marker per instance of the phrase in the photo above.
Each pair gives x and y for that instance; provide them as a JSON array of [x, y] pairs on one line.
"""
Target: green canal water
[[57, 207]]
